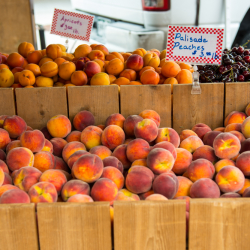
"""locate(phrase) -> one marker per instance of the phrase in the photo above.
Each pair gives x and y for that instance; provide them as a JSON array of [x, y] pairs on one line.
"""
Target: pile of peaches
[[88, 65]]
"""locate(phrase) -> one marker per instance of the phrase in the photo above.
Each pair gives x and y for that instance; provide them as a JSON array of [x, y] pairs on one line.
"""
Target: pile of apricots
[[88, 65]]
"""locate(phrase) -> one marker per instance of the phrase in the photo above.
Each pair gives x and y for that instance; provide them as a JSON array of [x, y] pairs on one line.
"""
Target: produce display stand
[[7, 101]]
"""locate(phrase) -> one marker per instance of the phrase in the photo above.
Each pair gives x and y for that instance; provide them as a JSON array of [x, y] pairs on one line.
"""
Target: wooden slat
[[18, 228], [147, 225], [237, 96], [78, 226], [219, 224], [37, 105], [189, 110], [7, 101], [102, 101], [135, 99]]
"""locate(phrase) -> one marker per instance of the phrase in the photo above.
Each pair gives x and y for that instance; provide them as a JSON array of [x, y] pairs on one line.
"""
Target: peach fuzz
[[200, 168], [14, 196], [83, 119], [156, 197], [112, 161], [2, 155], [168, 134], [60, 164], [160, 161], [71, 148], [191, 143], [245, 128], [151, 59], [7, 179], [184, 77], [125, 195], [34, 56], [13, 144], [6, 187], [140, 162], [246, 193], [182, 162], [209, 137], [24, 48], [102, 151], [243, 163], [230, 179], [48, 146], [205, 152], [74, 136], [186, 133], [4, 167], [151, 114], [80, 198], [150, 77], [221, 129], [129, 124], [135, 62], [201, 129], [43, 161], [168, 146], [204, 188], [246, 185], [121, 154], [226, 146], [91, 137], [53, 51], [2, 176], [139, 179], [235, 117], [115, 119], [4, 139], [59, 126], [239, 135], [114, 175], [170, 69], [26, 177], [82, 50], [19, 157], [233, 127], [222, 163], [15, 60], [115, 67], [46, 133], [58, 145], [2, 118], [245, 146], [230, 195], [113, 136], [166, 184], [49, 69], [43, 192], [247, 110], [143, 196], [184, 186], [33, 140]]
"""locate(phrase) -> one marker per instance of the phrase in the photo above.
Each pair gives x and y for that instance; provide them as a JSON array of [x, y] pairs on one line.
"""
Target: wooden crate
[[237, 96], [219, 224], [78, 226], [135, 99], [7, 101], [207, 107], [102, 101], [150, 225], [18, 227], [37, 105]]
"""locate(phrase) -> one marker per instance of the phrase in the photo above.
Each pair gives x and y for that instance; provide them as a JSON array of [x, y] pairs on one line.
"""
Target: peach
[[121, 154], [168, 146], [82, 50], [66, 69], [182, 162], [204, 188], [100, 79], [48, 146], [160, 161], [6, 78], [139, 162], [125, 195], [115, 119], [4, 139], [209, 137], [201, 129], [53, 51], [245, 146], [49, 69], [246, 193], [2, 155], [58, 145], [170, 135], [184, 186], [2, 176], [221, 129], [74, 136], [135, 62], [226, 146], [222, 163], [33, 140], [2, 118], [233, 127], [79, 78], [43, 192], [230, 195], [13, 144], [14, 125], [205, 152], [246, 185], [55, 177], [83, 119], [243, 163], [200, 168], [101, 151], [15, 60], [146, 129], [59, 126], [24, 48], [239, 135], [14, 196], [139, 179], [104, 190], [191, 143], [26, 177], [235, 117], [129, 124], [151, 59], [80, 198], [7, 179], [19, 157], [60, 164], [34, 56], [43, 160], [5, 188], [143, 196], [112, 161], [114, 175], [186, 133], [4, 167], [156, 197], [166, 184], [71, 148], [91, 68], [151, 114], [247, 110], [101, 48], [230, 179], [245, 128]]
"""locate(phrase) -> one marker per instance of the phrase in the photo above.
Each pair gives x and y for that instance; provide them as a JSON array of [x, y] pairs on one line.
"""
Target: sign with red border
[[72, 25], [194, 45]]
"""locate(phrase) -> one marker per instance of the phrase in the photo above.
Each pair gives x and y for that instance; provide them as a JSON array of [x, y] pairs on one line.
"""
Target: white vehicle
[[124, 25]]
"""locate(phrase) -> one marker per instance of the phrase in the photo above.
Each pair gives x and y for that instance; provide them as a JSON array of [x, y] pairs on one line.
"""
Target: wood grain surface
[[7, 101]]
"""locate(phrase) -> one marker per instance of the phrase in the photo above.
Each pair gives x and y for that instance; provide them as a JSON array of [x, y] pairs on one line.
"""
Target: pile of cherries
[[235, 67]]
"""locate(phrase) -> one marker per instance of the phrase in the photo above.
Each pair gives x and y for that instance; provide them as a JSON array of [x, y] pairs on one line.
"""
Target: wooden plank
[[237, 96], [219, 224], [37, 105], [147, 225], [16, 24], [135, 99], [7, 101], [18, 228], [207, 108], [101, 101], [78, 226]]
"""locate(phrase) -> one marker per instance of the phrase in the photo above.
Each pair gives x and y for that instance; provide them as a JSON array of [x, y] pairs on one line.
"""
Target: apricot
[[66, 69], [115, 67], [100, 79], [135, 62], [59, 126], [34, 68], [27, 78], [6, 78], [79, 78], [130, 74], [96, 54], [151, 59], [42, 81], [171, 81], [33, 140], [82, 50], [44, 60], [140, 52], [34, 56], [49, 69], [184, 76], [53, 51], [24, 48], [101, 48], [14, 196], [122, 81], [170, 69], [150, 77], [17, 69], [4, 66], [91, 68], [15, 60]]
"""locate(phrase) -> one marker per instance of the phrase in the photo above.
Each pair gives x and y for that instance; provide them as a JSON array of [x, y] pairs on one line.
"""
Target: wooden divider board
[[237, 96], [101, 101], [7, 101], [219, 224], [18, 227], [135, 99], [150, 225], [37, 105], [78, 226], [207, 107]]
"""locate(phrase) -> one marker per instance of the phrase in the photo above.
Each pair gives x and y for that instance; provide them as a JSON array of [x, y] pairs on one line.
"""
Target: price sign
[[71, 24], [194, 45]]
